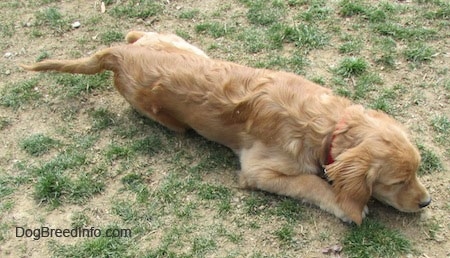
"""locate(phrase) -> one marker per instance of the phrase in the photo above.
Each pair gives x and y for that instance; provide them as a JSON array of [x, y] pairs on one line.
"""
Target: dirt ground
[[429, 231]]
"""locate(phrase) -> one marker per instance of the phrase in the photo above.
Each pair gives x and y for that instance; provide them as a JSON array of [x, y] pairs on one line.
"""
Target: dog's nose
[[425, 203]]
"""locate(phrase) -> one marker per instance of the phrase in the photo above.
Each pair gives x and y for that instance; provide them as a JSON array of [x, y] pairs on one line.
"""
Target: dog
[[293, 137]]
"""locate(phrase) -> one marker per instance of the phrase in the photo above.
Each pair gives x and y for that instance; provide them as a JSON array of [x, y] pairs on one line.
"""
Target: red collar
[[330, 158], [339, 126]]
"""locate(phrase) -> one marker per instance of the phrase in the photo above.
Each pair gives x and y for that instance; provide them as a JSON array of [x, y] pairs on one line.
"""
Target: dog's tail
[[103, 60]]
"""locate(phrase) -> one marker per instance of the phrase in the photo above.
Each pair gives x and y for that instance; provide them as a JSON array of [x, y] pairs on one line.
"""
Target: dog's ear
[[133, 36], [352, 176]]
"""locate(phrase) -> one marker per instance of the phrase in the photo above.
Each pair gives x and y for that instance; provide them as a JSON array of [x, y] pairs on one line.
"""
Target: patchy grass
[[38, 144], [373, 239], [20, 94], [102, 165], [70, 86], [352, 66], [430, 161], [111, 36], [53, 18], [419, 52]]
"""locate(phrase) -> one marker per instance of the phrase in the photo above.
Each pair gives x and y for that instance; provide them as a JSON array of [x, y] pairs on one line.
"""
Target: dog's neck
[[328, 156]]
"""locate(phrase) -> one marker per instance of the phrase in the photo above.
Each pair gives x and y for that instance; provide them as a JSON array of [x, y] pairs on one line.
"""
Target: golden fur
[[281, 125]]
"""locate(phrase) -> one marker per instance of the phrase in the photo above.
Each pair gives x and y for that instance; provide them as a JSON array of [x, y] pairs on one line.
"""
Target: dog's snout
[[425, 203]]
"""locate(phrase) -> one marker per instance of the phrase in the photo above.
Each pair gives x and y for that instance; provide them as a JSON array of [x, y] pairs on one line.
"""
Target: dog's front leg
[[306, 187]]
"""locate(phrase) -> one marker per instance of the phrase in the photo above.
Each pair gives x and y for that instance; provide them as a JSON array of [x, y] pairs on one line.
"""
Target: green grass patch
[[20, 94], [441, 125], [372, 239], [73, 85], [404, 32], [38, 144], [419, 52], [136, 9], [189, 14], [264, 12], [386, 98], [285, 234], [102, 119], [52, 17], [103, 246], [149, 145], [352, 66], [111, 36], [430, 161], [6, 188], [115, 152], [4, 122], [304, 36], [214, 29], [79, 220]]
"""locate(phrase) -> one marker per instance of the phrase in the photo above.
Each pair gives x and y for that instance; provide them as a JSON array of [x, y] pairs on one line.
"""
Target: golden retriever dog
[[293, 137]]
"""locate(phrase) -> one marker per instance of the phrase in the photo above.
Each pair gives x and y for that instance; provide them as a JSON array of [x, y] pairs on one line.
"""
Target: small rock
[[102, 7], [76, 25], [8, 55]]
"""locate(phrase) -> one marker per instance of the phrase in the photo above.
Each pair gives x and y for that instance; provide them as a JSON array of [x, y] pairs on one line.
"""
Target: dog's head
[[374, 157]]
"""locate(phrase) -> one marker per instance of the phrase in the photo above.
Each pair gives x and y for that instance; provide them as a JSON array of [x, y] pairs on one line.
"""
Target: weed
[[351, 8], [351, 47], [384, 101], [84, 187], [352, 66], [136, 9], [443, 12], [365, 84], [50, 187], [149, 145], [430, 161], [4, 122], [102, 119], [202, 245], [285, 234], [189, 14], [305, 36], [79, 220], [53, 18], [373, 239], [19, 94], [75, 85], [5, 188], [7, 29], [125, 211], [210, 192], [289, 209], [263, 13], [419, 52], [111, 36], [103, 246], [43, 55], [386, 52], [214, 29], [65, 160], [115, 152], [409, 33], [255, 203], [254, 40], [441, 125], [38, 144], [316, 12]]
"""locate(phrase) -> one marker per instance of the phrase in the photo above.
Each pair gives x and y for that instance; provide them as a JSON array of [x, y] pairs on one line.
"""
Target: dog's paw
[[365, 211]]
